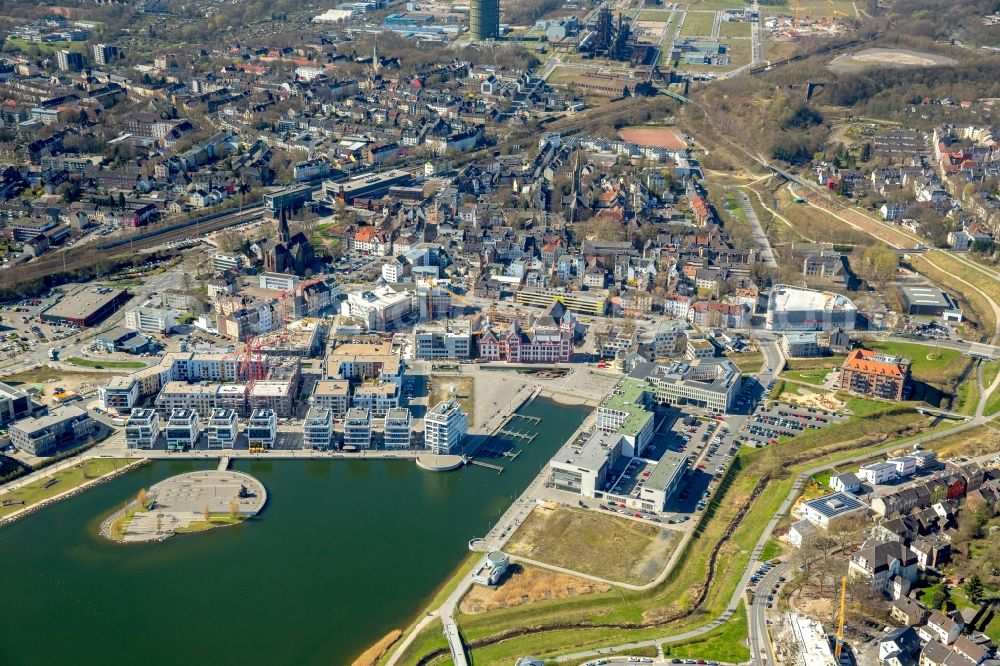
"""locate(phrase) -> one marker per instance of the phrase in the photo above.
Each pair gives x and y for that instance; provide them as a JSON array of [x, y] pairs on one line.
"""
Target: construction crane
[[798, 10], [840, 623]]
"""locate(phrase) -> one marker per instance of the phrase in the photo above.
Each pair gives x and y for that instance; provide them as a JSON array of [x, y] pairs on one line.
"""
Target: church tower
[[376, 62], [284, 234]]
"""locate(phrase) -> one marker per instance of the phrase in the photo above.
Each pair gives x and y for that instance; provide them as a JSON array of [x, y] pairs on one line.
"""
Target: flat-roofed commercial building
[[288, 199], [62, 427], [930, 301], [580, 302], [450, 340], [14, 404], [149, 320], [85, 306], [445, 427], [367, 185], [583, 464], [663, 481], [799, 309], [142, 429], [398, 429], [801, 345], [317, 429], [332, 394], [358, 429], [262, 429], [223, 429], [380, 308], [182, 430], [625, 411], [708, 383]]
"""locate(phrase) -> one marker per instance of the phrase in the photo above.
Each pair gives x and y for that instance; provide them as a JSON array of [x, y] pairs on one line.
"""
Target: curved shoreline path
[[194, 501]]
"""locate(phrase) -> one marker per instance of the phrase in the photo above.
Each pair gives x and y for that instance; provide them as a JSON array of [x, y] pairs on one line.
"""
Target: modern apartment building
[[262, 429], [875, 374], [182, 430], [398, 429], [142, 429], [119, 394], [445, 427], [358, 429], [332, 394], [378, 397], [317, 429], [223, 429]]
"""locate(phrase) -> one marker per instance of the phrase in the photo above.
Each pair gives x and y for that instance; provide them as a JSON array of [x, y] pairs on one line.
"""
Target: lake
[[344, 552]]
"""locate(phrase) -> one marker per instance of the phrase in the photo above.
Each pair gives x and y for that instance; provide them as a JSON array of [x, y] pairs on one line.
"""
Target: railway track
[[86, 255]]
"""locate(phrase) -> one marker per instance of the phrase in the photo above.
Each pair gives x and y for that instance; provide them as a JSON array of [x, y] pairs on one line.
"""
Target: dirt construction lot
[[525, 585], [611, 547]]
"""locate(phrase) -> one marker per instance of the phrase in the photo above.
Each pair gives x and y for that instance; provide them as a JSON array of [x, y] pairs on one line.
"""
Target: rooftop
[[83, 302], [784, 297]]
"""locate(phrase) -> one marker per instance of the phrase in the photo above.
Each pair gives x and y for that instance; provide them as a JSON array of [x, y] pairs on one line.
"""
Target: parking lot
[[781, 419]]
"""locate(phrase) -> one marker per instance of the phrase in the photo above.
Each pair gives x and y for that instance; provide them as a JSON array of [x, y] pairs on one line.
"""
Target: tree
[[206, 513], [939, 597], [234, 509], [879, 264], [973, 588]]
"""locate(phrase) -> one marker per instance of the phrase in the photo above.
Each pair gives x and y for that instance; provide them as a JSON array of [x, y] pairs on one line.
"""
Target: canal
[[344, 552]]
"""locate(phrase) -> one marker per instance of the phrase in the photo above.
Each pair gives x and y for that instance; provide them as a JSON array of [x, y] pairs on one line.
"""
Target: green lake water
[[344, 552]]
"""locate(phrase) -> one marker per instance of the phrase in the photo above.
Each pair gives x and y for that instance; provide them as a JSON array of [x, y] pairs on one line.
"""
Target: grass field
[[67, 479], [723, 644], [48, 48], [655, 15], [735, 29], [739, 53], [814, 377], [89, 363], [214, 520], [990, 370], [749, 363], [527, 584], [44, 373], [815, 363], [937, 366], [698, 24], [967, 397], [599, 544]]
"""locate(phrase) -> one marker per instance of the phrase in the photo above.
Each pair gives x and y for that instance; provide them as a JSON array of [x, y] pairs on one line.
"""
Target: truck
[[54, 354]]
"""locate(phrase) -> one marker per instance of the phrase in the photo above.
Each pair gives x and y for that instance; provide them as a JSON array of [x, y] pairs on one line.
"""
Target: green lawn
[[993, 404], [772, 548], [214, 520], [814, 377], [68, 479], [49, 48], [990, 370], [88, 363], [660, 15], [723, 644], [967, 397], [748, 363], [936, 366], [698, 24], [735, 29]]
